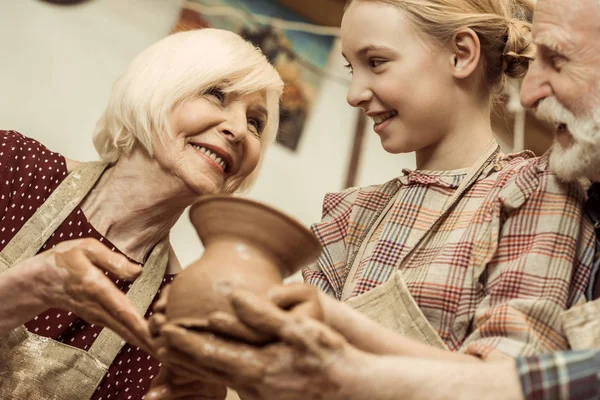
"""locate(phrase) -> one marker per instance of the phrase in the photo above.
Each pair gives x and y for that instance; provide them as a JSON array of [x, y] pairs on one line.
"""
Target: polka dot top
[[29, 173]]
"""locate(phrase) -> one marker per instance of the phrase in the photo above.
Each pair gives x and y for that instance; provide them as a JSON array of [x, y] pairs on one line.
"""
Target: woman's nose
[[235, 127]]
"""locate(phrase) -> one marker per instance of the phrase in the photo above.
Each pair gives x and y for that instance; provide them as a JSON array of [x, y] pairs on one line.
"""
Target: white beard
[[582, 159]]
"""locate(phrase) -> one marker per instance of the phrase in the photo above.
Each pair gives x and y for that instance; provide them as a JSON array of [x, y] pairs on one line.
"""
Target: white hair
[[582, 159], [179, 68]]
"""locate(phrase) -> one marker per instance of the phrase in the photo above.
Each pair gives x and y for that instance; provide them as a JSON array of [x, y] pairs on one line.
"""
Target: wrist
[[31, 277], [19, 298], [351, 373]]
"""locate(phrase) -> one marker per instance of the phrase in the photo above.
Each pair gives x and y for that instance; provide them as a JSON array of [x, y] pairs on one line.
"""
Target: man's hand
[[167, 386], [170, 386], [306, 363], [297, 299]]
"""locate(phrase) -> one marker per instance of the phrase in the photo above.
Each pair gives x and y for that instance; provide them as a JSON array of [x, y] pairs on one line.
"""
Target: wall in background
[[58, 64]]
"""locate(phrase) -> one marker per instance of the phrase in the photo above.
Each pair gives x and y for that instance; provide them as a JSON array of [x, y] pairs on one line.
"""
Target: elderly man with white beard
[[563, 88]]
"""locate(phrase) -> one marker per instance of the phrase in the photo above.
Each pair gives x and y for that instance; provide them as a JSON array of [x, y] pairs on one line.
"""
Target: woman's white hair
[[181, 67]]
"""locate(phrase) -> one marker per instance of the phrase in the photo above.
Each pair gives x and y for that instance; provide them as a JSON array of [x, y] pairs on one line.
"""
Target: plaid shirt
[[592, 208], [495, 273], [572, 375]]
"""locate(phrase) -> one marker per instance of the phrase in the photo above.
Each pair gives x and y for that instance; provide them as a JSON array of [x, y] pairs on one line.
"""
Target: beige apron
[[35, 367], [391, 304], [581, 325]]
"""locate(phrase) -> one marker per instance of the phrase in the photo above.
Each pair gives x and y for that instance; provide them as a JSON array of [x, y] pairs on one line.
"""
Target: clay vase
[[246, 245]]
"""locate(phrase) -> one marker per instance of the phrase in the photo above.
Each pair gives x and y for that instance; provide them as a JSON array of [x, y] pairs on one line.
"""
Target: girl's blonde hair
[[181, 67], [501, 25]]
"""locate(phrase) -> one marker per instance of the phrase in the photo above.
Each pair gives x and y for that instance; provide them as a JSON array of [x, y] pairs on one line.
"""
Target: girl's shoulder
[[370, 197]]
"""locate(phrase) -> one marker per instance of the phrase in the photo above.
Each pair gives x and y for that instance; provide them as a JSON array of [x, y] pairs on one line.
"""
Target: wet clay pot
[[247, 245]]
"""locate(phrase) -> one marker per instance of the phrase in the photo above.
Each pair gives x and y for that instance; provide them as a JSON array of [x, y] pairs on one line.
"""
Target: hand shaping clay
[[247, 245]]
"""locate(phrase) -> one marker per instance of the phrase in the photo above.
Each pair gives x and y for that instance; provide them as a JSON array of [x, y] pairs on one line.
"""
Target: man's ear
[[465, 52]]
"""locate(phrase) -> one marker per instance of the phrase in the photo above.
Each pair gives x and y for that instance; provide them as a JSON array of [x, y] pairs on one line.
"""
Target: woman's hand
[[71, 276], [308, 362]]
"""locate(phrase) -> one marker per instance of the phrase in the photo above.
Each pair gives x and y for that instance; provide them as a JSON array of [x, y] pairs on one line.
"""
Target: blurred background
[[58, 63]]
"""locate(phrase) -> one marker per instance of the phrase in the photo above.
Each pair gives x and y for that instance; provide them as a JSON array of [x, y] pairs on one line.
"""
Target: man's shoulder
[[517, 179]]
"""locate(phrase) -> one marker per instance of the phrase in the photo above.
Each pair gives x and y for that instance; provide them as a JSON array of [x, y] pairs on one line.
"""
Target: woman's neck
[[136, 203], [461, 146]]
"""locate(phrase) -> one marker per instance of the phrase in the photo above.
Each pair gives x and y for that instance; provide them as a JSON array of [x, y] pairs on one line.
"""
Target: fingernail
[[161, 353]]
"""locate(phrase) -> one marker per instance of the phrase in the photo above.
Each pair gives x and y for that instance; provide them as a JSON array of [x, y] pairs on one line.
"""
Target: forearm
[[371, 337], [393, 377], [18, 300]]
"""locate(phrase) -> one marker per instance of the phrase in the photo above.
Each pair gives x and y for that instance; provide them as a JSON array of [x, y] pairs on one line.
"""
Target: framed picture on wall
[[299, 56]]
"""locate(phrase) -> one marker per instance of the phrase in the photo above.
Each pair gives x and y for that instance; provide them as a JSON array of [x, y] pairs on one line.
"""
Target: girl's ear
[[466, 52]]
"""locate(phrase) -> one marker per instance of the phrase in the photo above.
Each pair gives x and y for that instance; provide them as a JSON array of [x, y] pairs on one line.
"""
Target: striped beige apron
[[36, 367], [581, 325]]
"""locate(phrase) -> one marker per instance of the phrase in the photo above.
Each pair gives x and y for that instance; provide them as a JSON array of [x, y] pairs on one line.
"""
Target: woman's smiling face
[[215, 141]]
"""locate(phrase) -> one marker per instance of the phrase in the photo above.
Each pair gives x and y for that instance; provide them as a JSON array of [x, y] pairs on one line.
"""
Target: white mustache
[[582, 158], [552, 111]]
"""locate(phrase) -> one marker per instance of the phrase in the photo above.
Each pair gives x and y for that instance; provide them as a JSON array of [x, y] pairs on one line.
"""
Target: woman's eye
[[349, 67], [256, 126], [217, 93]]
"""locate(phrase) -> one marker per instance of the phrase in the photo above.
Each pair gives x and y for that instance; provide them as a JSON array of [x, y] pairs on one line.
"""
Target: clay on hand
[[297, 299], [247, 245], [249, 248], [74, 280], [304, 363], [168, 385]]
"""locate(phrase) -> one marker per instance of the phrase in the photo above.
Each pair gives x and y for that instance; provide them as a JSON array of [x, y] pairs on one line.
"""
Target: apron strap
[[347, 289], [48, 217], [483, 163], [108, 344]]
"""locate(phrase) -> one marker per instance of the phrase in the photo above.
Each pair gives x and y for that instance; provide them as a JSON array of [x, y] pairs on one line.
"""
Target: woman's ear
[[466, 53]]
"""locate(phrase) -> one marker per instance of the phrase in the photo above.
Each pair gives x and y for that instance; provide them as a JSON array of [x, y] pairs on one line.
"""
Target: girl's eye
[[218, 93], [374, 62], [256, 126], [349, 67]]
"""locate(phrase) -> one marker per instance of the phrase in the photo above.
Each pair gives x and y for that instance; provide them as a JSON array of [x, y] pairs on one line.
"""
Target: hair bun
[[519, 50]]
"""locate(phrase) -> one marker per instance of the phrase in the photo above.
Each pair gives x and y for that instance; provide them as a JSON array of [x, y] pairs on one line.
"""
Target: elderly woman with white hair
[[191, 115]]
